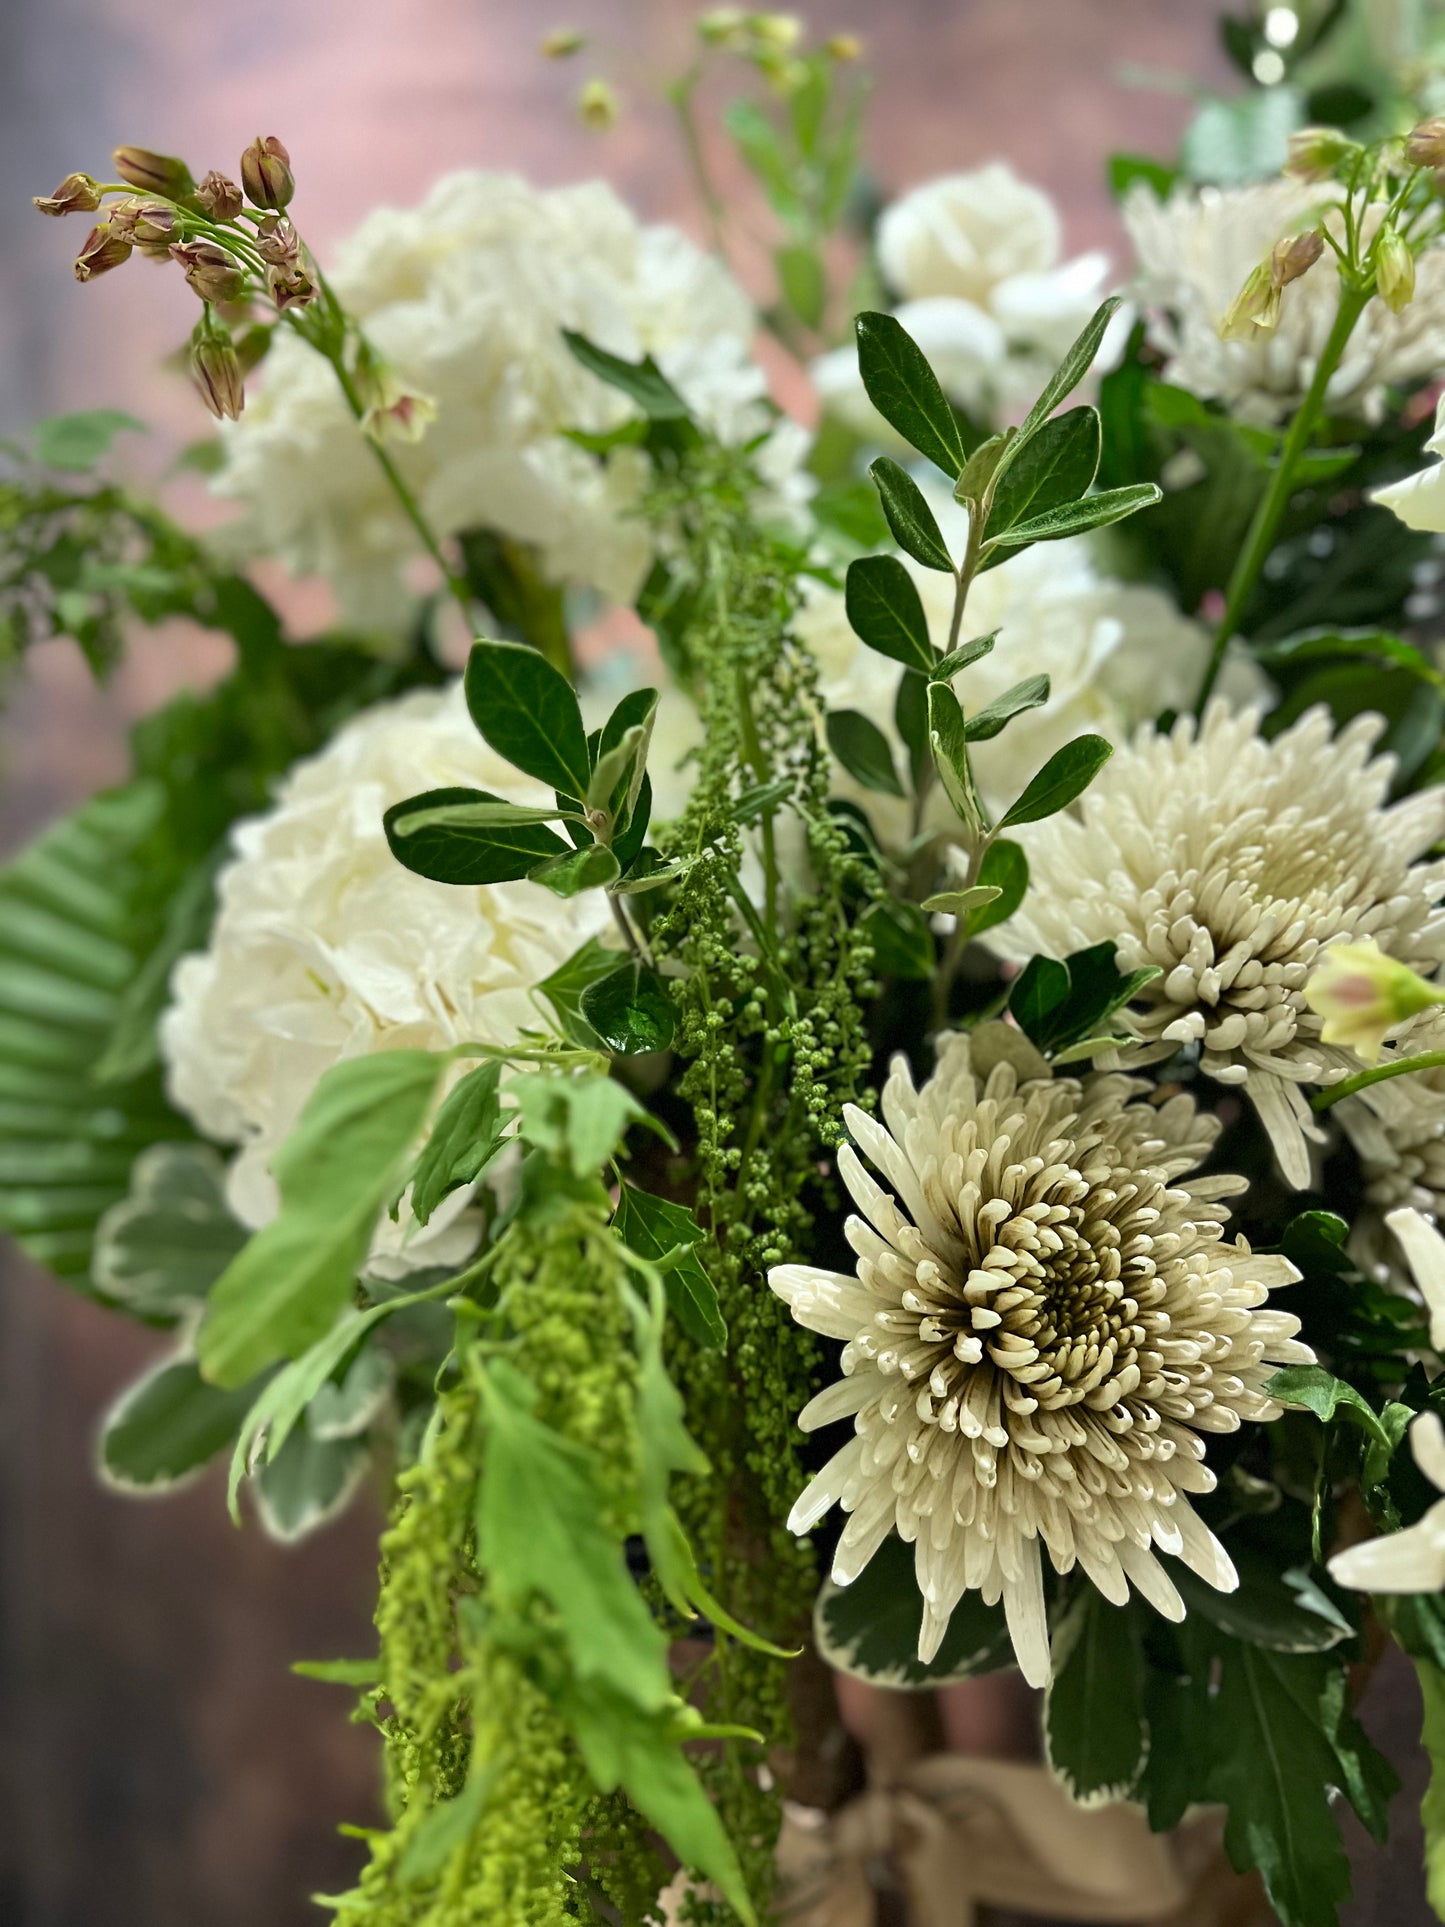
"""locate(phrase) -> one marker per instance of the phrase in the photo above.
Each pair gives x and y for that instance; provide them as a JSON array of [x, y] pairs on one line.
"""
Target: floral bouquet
[[881, 1120]]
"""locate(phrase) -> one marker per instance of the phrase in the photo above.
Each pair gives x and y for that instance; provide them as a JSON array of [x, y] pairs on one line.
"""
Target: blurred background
[[159, 1764]]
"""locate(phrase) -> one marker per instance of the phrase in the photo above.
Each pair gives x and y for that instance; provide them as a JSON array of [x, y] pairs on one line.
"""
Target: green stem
[[681, 94], [1425, 1060], [1263, 529]]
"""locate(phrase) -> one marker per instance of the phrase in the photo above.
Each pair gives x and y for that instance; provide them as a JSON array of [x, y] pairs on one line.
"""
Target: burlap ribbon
[[952, 1833]]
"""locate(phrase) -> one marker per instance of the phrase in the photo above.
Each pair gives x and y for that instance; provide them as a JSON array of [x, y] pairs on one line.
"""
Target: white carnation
[[1195, 251], [466, 297], [324, 947]]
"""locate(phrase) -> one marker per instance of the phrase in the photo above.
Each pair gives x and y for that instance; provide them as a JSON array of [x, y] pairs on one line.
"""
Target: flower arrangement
[[971, 994]]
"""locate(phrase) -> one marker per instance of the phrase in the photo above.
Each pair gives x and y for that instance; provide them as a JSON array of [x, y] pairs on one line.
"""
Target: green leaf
[[1072, 518], [1066, 378], [335, 1172], [465, 1137], [884, 611], [870, 1629], [641, 381], [446, 1827], [803, 281], [977, 479], [579, 1116], [167, 1426], [455, 849], [901, 939], [1432, 1806], [958, 903], [630, 1009], [1288, 1612], [345, 1408], [757, 141], [540, 1507], [341, 1672], [985, 723], [1094, 1725], [948, 741], [159, 1251], [308, 1483], [963, 657], [909, 516], [862, 748], [1039, 994], [1067, 774], [1127, 169], [1056, 466], [910, 719], [658, 1230], [528, 712], [75, 443], [762, 799], [1247, 139], [906, 393], [1313, 1389], [563, 990], [1005, 868], [572, 871]]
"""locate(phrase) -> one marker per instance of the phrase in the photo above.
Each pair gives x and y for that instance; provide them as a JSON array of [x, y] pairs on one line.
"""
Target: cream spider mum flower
[[1046, 1315], [1231, 863], [1195, 252], [1398, 1130]]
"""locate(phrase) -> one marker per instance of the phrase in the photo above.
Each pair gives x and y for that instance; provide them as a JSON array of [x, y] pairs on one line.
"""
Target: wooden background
[[159, 1766]]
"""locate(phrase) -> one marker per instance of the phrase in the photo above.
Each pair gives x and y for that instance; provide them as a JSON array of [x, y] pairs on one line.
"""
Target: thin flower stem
[[681, 95], [1425, 1060], [1262, 530]]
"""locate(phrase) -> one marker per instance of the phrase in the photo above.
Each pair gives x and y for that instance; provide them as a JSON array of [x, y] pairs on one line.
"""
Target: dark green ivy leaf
[[563, 989], [656, 1230], [630, 1009]]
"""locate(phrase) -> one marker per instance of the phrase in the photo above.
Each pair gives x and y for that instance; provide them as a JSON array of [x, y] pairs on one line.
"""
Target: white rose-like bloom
[[1195, 251], [1046, 1315], [1231, 863], [324, 947], [1412, 1560], [466, 298], [974, 261], [1419, 499]]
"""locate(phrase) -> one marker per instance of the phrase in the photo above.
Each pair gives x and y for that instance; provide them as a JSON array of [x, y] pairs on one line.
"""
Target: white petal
[[1023, 1603], [1277, 1115], [1427, 1442], [1202, 1551], [1424, 1251], [838, 1401], [1409, 1561]]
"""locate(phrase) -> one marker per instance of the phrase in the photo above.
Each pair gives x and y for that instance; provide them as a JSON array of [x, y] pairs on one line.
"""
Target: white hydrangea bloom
[[324, 947], [1045, 1317], [1195, 251], [466, 297], [1232, 863], [974, 262], [1419, 499]]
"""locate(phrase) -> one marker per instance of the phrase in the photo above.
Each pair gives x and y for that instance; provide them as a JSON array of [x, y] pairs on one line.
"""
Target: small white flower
[[1045, 1318], [1231, 863], [1197, 249], [1412, 1560], [465, 298], [324, 947], [1419, 499]]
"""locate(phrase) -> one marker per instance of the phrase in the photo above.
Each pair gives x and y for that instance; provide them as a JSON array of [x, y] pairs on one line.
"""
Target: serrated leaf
[[1057, 465], [528, 712], [167, 1426], [1067, 774], [452, 848], [912, 521], [884, 610], [869, 1629], [863, 750], [630, 1009], [985, 723], [906, 392], [578, 1116], [563, 989], [1094, 1725], [335, 1171], [655, 1228], [465, 1135]]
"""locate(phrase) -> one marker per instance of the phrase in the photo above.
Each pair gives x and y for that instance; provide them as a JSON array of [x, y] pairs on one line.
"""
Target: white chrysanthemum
[[466, 297], [1397, 1127], [1195, 251], [1046, 1316], [324, 947], [973, 260], [1115, 653], [1231, 862]]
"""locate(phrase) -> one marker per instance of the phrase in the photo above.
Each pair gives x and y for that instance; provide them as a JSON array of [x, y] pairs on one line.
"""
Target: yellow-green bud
[[217, 374], [1394, 269], [76, 194], [724, 26], [1425, 144], [266, 173], [1362, 993], [781, 30], [105, 248], [220, 196], [210, 270], [1294, 256], [1256, 306], [598, 106], [153, 173], [844, 46], [1317, 153], [562, 43]]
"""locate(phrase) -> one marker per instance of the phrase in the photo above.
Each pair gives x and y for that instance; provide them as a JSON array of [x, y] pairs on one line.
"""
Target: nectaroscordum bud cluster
[[233, 242]]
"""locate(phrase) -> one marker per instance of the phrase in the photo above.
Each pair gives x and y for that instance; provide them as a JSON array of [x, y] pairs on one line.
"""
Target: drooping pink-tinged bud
[[391, 411], [210, 270], [1317, 153], [291, 287], [216, 371], [76, 194], [278, 244], [154, 173], [1255, 307], [1425, 144], [1294, 256], [220, 196], [154, 228], [1394, 269], [266, 173], [105, 248]]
